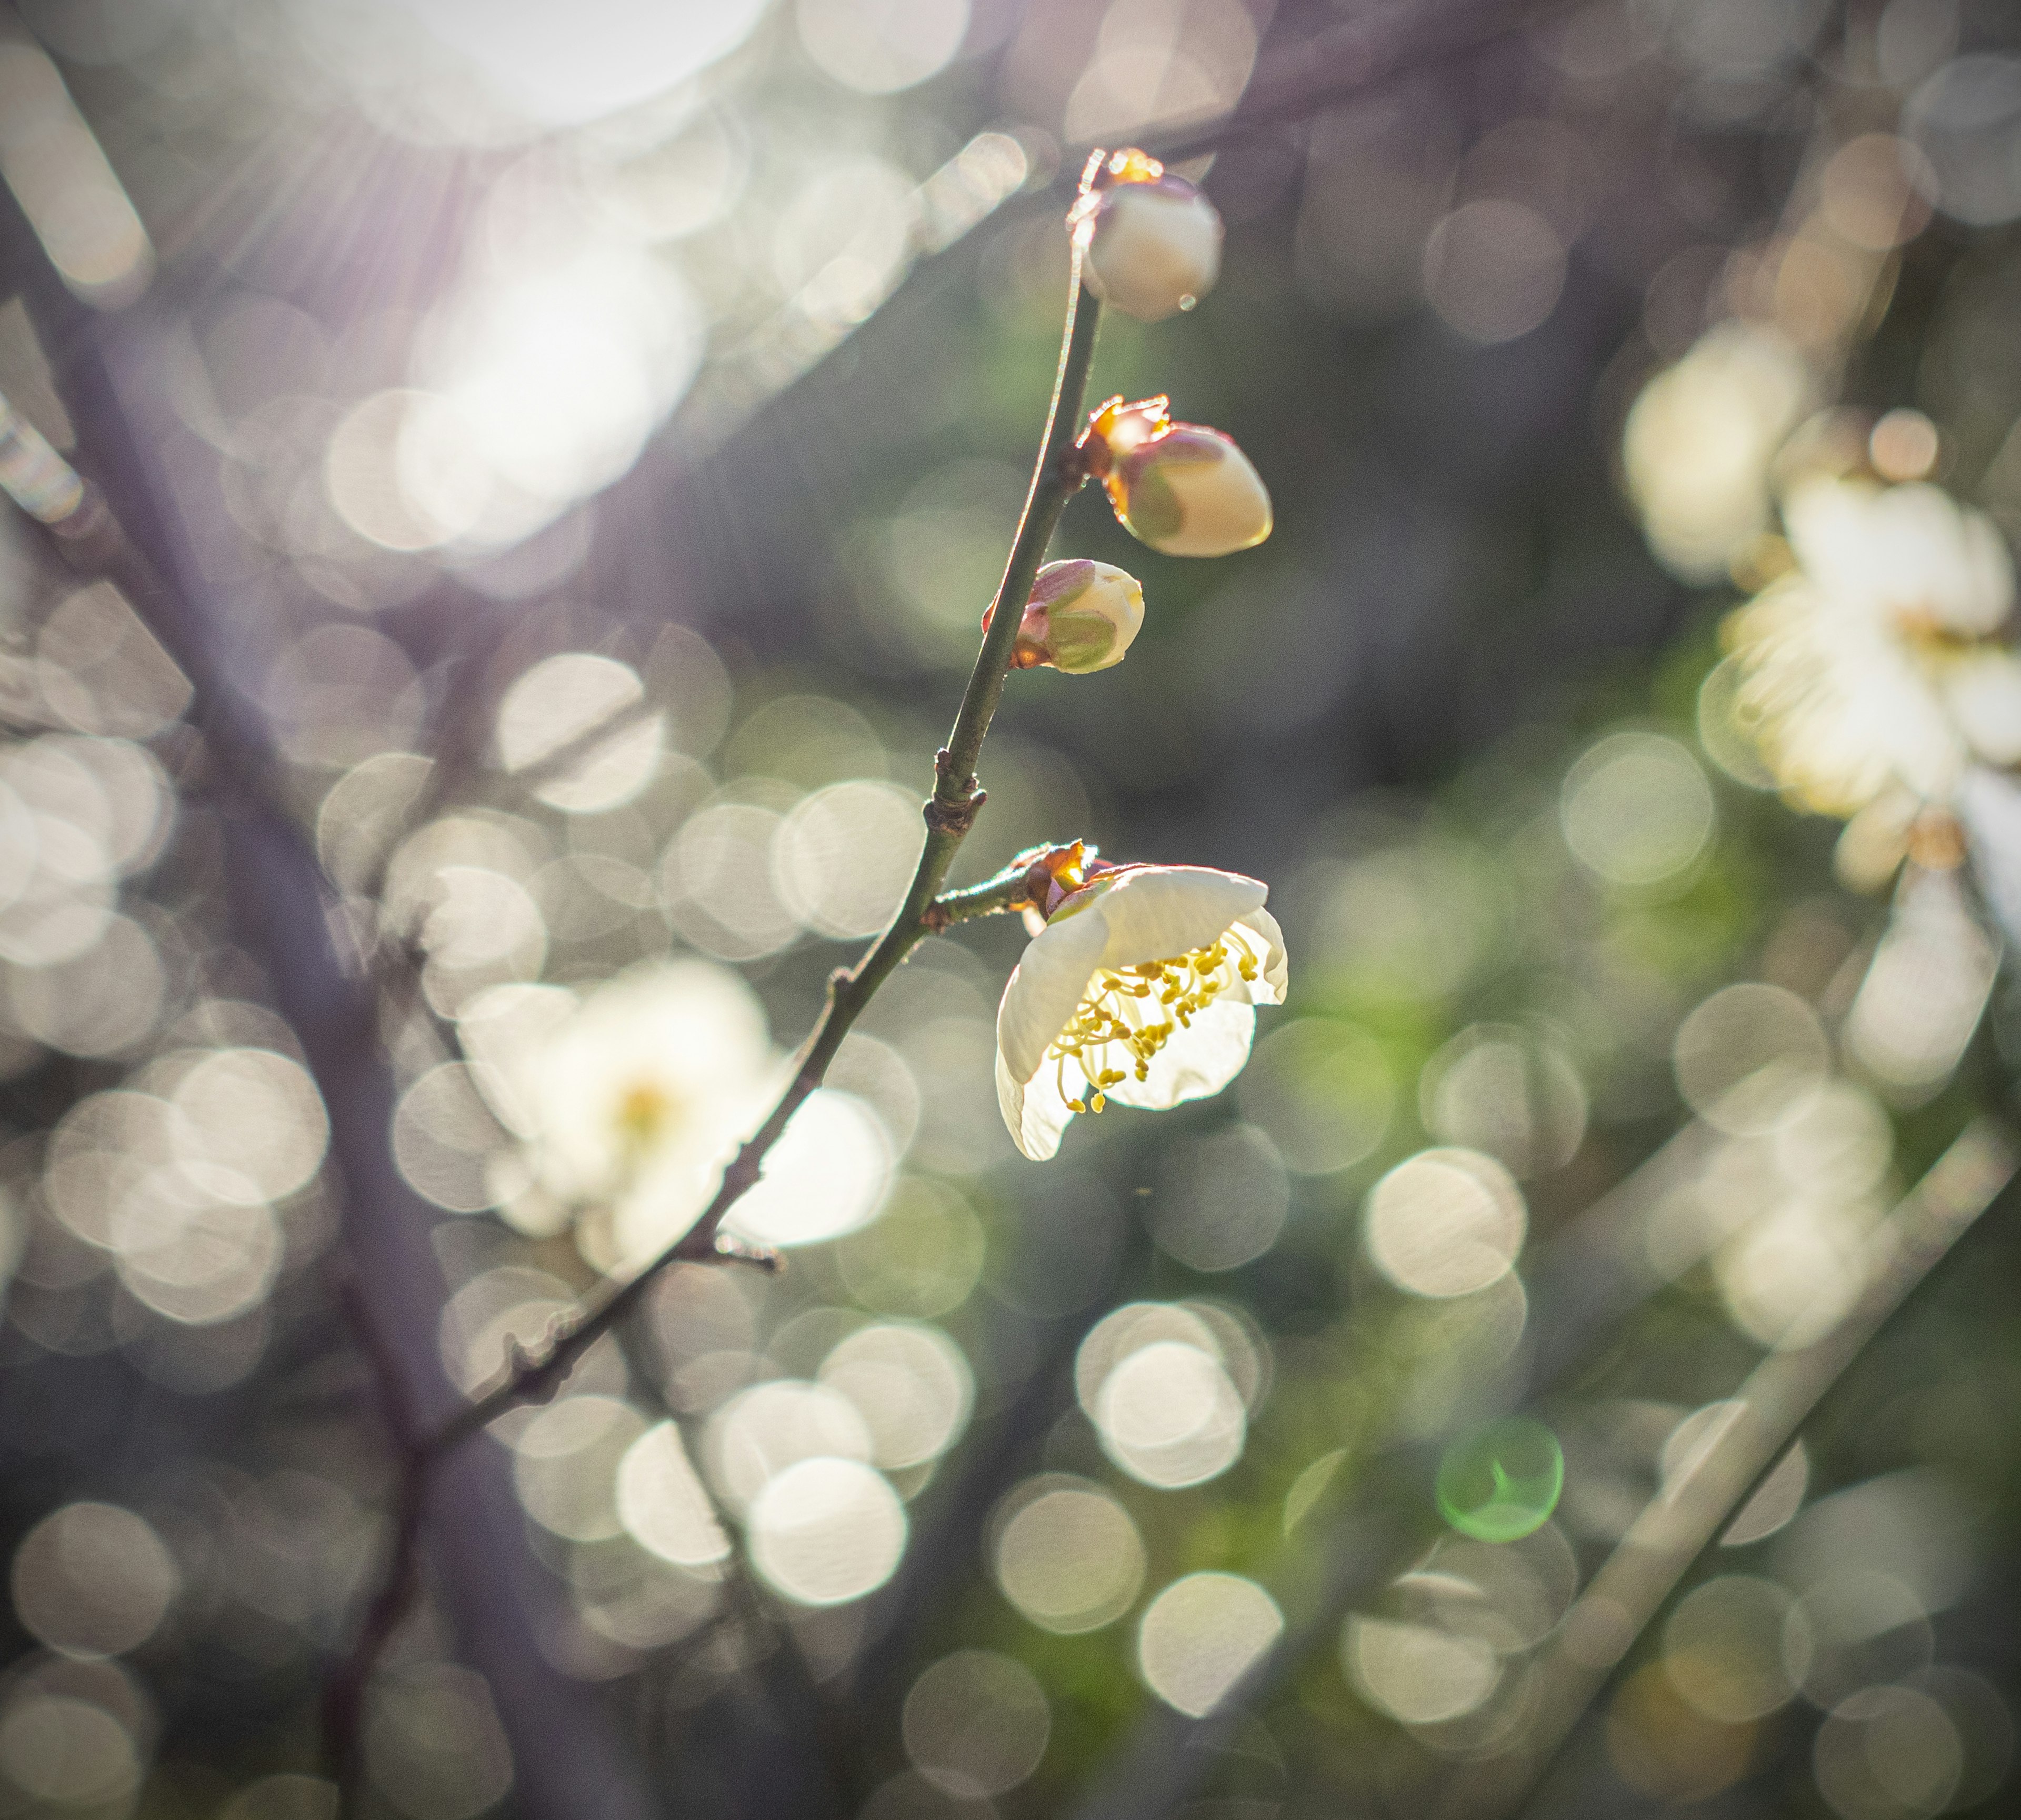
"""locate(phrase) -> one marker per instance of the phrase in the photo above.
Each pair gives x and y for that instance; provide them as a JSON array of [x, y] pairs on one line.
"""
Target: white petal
[[1194, 1061], [1269, 989], [1034, 1110], [1153, 253], [1160, 913], [1046, 985], [1224, 506], [1988, 567], [1984, 694]]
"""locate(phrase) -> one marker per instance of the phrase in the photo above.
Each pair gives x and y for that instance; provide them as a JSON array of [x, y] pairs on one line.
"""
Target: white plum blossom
[[1153, 246], [1081, 616], [1141, 988], [1183, 489], [1870, 675], [633, 1102]]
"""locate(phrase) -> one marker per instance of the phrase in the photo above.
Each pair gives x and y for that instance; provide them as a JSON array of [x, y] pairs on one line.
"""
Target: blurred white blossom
[[1870, 676], [1700, 442], [1141, 988], [633, 1102]]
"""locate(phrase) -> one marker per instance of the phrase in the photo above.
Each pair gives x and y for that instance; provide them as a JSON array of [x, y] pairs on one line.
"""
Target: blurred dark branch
[[143, 536], [1344, 62]]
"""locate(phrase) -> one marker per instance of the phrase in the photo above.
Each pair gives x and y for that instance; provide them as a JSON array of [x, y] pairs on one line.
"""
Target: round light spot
[[1635, 809], [1888, 1754], [1066, 1554], [1501, 1482], [1445, 1223], [1416, 1672], [662, 1502], [1201, 1635], [912, 1386], [1723, 1648], [70, 1753], [842, 858], [92, 1580], [976, 1723], [1321, 1091], [878, 47], [1221, 1200], [1493, 269], [1966, 122], [253, 1127], [565, 1465], [433, 1744], [1505, 1090], [582, 704], [761, 1431], [1749, 1057], [921, 1257], [826, 1531], [1168, 1415]]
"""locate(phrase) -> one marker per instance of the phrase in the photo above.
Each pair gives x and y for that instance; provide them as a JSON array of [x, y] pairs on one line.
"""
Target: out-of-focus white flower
[[1141, 989], [1083, 616], [1184, 489], [1868, 674], [1700, 440], [1152, 241], [634, 1101]]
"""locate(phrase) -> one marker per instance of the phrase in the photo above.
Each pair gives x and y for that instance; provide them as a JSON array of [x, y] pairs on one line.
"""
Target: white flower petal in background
[[632, 1101], [1699, 442], [1854, 682]]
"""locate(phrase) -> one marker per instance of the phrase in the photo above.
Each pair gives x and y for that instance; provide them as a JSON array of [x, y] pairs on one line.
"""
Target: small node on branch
[[532, 1373], [955, 802]]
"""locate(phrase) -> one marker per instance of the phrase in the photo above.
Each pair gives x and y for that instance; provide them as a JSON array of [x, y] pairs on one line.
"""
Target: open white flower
[[1868, 671], [1141, 989], [633, 1102]]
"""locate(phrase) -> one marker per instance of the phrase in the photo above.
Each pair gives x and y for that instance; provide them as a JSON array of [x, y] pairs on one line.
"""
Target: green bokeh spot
[[1501, 1483]]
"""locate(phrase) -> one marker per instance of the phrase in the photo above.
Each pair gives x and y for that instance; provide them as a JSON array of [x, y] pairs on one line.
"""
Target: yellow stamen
[[1113, 1011]]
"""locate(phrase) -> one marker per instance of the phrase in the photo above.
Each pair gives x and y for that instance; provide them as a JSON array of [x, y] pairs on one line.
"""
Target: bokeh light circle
[[1501, 1482], [826, 1531], [1201, 1635]]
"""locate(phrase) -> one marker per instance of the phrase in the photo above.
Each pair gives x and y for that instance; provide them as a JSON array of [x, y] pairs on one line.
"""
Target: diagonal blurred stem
[[1681, 1522], [1591, 1277], [949, 814]]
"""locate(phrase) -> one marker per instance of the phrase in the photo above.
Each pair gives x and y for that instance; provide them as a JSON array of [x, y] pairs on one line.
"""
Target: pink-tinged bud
[[1185, 490], [1081, 616], [1151, 241]]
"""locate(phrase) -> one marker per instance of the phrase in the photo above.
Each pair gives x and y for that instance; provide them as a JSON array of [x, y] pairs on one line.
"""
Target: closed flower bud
[[1185, 490], [1152, 241], [1081, 616]]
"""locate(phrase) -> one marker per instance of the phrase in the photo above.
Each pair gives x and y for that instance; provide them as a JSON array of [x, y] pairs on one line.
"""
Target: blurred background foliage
[[591, 436]]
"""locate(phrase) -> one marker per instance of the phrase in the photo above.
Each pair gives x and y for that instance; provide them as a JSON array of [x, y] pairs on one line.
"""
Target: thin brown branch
[[533, 1376]]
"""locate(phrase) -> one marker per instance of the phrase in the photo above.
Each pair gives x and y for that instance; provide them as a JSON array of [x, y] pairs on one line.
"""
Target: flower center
[[1128, 1014], [645, 1111]]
